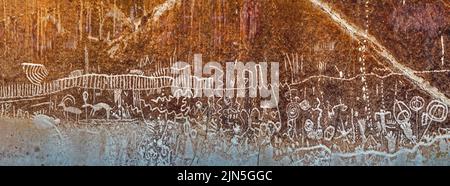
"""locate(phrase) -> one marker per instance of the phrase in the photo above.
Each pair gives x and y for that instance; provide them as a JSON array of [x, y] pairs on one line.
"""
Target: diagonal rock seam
[[357, 33], [162, 8], [445, 3]]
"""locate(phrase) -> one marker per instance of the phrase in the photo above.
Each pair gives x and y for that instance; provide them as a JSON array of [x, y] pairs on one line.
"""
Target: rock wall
[[241, 82]]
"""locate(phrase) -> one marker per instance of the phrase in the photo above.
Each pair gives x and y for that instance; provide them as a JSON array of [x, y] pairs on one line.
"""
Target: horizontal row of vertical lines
[[92, 81]]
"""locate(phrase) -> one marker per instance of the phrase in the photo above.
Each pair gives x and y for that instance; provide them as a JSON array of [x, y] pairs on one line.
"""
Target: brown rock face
[[347, 80]]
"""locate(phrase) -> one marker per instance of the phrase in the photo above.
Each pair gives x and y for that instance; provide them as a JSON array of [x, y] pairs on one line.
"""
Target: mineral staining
[[241, 82]]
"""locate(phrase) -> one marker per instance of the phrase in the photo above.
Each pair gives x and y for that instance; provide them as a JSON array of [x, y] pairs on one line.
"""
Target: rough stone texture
[[344, 66]]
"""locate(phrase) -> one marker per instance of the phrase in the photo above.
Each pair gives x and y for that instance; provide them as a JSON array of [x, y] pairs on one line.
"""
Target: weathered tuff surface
[[360, 82]]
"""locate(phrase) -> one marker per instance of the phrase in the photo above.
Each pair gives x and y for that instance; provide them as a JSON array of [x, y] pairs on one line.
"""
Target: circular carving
[[304, 105], [416, 103], [437, 111], [329, 133], [309, 125], [293, 110]]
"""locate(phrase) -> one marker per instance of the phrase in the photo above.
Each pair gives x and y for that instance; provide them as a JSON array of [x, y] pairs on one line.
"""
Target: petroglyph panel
[[225, 82]]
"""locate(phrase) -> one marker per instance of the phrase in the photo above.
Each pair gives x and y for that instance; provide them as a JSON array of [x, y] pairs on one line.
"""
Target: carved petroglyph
[[97, 107], [186, 83], [340, 97], [35, 73], [357, 33], [72, 110]]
